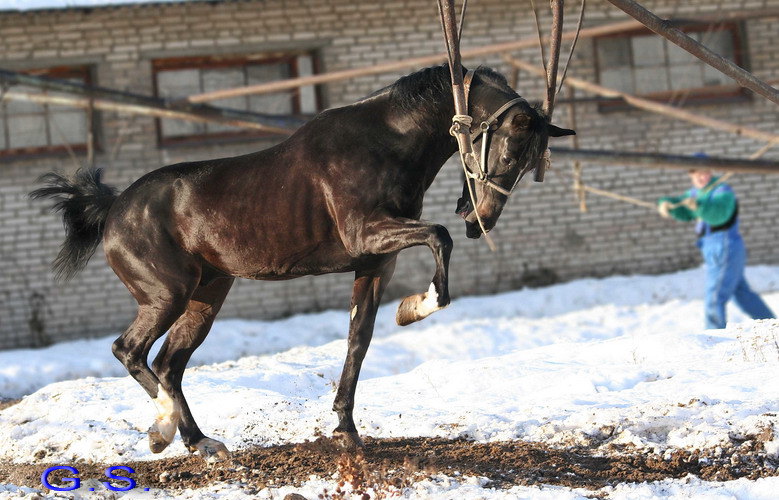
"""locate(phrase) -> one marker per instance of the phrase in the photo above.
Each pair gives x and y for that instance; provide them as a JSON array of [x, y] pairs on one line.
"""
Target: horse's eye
[[506, 160]]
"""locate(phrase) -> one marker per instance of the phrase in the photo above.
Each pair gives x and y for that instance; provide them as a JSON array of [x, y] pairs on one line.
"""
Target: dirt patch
[[400, 461], [5, 403]]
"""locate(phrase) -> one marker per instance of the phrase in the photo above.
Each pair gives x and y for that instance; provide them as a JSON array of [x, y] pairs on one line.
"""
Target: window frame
[[712, 94], [86, 73], [206, 62]]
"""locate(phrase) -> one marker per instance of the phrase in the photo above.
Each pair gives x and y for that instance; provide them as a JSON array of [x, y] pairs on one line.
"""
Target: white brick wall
[[541, 235]]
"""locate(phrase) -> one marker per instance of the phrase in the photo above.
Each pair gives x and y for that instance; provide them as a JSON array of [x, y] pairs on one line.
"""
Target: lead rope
[[461, 121]]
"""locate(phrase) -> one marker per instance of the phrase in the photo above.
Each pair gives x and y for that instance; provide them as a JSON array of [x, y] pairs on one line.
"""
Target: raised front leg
[[366, 295], [394, 234]]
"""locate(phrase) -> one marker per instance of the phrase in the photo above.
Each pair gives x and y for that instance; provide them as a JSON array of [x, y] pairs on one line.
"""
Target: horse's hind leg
[[162, 285], [132, 349], [186, 335]]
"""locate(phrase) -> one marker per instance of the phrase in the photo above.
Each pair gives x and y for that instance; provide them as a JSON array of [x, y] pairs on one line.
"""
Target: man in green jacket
[[713, 204]]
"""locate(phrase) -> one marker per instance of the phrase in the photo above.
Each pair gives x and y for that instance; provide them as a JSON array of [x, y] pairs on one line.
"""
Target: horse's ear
[[555, 131], [520, 122]]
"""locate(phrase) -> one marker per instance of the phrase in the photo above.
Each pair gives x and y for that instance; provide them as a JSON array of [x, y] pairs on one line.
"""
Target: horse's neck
[[441, 144], [428, 143]]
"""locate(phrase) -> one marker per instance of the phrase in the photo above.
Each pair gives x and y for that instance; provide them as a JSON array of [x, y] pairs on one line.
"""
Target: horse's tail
[[84, 202]]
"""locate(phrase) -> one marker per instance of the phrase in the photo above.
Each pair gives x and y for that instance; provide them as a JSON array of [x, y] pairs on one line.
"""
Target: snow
[[621, 360], [442, 487], [24, 5]]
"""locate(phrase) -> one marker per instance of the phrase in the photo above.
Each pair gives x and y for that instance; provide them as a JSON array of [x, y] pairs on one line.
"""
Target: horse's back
[[272, 214], [251, 216]]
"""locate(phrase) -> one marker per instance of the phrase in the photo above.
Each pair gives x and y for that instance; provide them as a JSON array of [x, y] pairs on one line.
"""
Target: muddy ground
[[401, 461]]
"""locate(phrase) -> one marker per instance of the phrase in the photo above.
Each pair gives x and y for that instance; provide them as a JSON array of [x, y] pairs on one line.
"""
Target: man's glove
[[663, 208], [690, 203]]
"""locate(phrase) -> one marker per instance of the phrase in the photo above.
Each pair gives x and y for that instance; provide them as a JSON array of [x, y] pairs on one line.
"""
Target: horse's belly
[[281, 264]]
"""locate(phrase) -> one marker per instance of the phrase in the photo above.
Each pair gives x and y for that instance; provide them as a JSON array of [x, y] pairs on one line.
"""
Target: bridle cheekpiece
[[476, 167]]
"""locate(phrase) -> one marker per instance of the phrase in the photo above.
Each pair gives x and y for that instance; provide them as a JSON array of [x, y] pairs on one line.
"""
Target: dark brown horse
[[342, 194]]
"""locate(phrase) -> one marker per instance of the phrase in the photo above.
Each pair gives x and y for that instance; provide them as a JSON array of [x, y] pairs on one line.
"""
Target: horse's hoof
[[159, 437], [212, 450], [420, 306], [407, 310], [348, 440]]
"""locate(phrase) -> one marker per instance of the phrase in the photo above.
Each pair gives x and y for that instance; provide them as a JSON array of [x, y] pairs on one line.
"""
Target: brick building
[[180, 48]]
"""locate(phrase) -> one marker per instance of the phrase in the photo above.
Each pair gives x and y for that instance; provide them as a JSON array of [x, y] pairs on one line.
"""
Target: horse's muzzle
[[465, 210], [464, 207], [472, 230]]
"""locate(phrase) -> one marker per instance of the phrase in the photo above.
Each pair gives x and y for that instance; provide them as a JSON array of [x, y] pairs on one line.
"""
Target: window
[[646, 64], [31, 128], [181, 77]]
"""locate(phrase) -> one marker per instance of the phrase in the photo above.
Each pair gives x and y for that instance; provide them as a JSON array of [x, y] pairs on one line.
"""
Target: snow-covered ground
[[621, 360]]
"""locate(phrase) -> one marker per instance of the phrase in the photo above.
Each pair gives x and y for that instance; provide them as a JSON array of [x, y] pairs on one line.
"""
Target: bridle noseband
[[476, 168]]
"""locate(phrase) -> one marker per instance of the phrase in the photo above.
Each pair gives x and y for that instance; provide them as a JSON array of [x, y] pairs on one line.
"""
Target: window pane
[[178, 83], [712, 77], [278, 103], [23, 107], [203, 74], [177, 128], [27, 131], [307, 93], [652, 65], [222, 79], [647, 50], [619, 79], [613, 53], [720, 42], [678, 55], [29, 125], [68, 127], [686, 76], [651, 79]]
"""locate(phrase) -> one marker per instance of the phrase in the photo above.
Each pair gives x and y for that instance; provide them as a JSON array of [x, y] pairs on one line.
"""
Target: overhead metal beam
[[656, 160]]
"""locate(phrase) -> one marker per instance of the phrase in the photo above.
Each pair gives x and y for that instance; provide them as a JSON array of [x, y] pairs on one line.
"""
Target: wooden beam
[[124, 102], [676, 36], [649, 105], [656, 160], [485, 50]]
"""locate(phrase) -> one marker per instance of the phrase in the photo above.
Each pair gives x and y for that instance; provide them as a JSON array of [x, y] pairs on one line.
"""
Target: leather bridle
[[476, 167]]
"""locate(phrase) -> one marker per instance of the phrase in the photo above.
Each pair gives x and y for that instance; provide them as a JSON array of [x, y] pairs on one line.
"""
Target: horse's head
[[516, 144]]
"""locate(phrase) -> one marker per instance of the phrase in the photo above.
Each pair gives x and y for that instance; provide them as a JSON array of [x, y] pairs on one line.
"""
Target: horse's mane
[[425, 88]]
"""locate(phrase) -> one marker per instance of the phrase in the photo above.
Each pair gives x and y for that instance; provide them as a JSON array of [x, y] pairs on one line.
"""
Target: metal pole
[[554, 56], [676, 162]]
